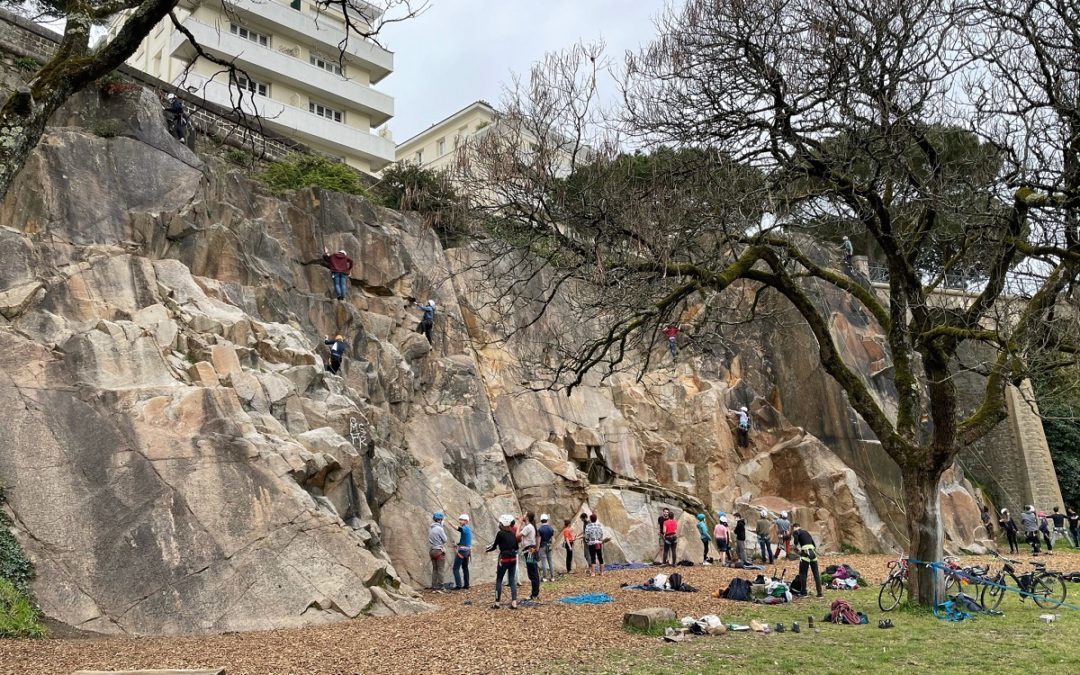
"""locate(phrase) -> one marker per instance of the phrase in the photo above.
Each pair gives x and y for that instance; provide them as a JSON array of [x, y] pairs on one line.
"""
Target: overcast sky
[[459, 51]]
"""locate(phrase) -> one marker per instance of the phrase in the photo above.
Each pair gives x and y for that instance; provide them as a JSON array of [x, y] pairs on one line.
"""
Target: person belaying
[[545, 533], [1029, 521], [1059, 528], [740, 540], [506, 543], [436, 550], [848, 250], [703, 534], [1008, 526], [568, 545], [743, 426], [672, 334], [340, 266], [581, 535], [763, 528], [337, 351], [807, 549], [527, 537], [427, 321], [984, 516], [463, 553], [671, 539], [783, 533]]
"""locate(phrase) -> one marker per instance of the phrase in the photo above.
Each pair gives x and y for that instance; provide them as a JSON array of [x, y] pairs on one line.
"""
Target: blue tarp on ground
[[587, 599]]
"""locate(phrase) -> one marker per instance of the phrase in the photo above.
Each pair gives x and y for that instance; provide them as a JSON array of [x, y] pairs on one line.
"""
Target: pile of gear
[[762, 590], [842, 577], [663, 582]]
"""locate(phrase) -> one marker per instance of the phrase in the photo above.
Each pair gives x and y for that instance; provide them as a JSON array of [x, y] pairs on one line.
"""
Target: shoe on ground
[[495, 605], [707, 563], [795, 627]]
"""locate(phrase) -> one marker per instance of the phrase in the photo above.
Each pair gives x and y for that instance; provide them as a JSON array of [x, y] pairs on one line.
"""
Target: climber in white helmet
[[546, 534], [783, 532], [463, 553], [427, 322], [743, 426]]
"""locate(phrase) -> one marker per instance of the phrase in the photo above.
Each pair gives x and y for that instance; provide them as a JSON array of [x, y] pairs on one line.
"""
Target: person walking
[[807, 549], [987, 525], [527, 538], [783, 534], [763, 528], [1007, 525], [427, 321], [671, 332], [703, 534], [671, 540], [1074, 525], [506, 543], [546, 533], [1044, 530], [337, 351], [568, 544], [1059, 530], [463, 553], [1030, 523], [723, 544], [436, 550], [594, 539], [740, 540], [340, 267]]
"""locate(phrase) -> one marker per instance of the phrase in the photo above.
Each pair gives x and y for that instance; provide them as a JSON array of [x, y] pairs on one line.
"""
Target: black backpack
[[675, 581], [738, 589]]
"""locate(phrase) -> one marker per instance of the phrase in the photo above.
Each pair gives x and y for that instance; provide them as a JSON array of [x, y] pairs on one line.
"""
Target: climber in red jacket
[[340, 266]]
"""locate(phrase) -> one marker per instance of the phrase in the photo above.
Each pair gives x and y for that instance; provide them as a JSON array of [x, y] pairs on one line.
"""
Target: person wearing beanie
[[703, 533], [546, 533], [463, 553], [436, 544]]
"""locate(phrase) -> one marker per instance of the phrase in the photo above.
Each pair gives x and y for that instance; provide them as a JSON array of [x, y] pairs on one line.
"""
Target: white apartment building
[[437, 147], [299, 82]]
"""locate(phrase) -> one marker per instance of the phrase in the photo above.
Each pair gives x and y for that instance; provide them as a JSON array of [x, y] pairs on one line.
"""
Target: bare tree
[[791, 114], [77, 62]]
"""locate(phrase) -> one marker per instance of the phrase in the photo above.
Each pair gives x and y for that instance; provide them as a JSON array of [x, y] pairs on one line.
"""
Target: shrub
[[237, 156], [27, 63], [408, 187], [299, 171], [106, 128], [18, 616], [115, 84]]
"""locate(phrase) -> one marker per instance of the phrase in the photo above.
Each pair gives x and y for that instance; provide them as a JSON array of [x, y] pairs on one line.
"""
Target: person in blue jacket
[[427, 322], [337, 351], [463, 553]]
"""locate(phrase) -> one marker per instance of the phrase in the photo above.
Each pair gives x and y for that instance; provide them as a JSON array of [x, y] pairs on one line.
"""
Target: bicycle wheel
[[993, 593], [891, 593], [1048, 591], [952, 585]]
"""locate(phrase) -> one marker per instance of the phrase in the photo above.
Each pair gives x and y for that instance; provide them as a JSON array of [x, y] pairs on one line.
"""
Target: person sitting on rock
[[340, 267], [436, 550], [337, 351], [427, 322]]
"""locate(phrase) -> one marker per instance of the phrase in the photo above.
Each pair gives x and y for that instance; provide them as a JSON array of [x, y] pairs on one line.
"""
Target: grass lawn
[[919, 642]]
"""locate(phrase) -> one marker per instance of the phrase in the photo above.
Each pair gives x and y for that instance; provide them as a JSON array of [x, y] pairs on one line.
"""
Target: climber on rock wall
[[340, 266], [337, 351], [427, 322], [672, 334], [848, 250], [743, 426]]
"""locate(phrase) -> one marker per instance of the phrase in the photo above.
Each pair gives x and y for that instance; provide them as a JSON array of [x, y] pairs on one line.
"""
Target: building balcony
[[297, 123], [273, 66], [326, 31]]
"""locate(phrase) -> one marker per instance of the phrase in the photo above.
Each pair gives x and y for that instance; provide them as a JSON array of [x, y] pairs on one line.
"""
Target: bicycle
[[1046, 588], [956, 576], [892, 589]]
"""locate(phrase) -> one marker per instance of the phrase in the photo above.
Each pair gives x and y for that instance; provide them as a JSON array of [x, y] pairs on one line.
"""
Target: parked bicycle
[[892, 589], [1045, 587], [957, 577]]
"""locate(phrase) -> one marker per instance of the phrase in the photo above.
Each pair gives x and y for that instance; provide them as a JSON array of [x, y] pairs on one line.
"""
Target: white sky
[[459, 51]]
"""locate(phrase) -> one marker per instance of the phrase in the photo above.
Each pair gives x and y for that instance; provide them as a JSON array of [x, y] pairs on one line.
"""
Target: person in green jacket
[[703, 532]]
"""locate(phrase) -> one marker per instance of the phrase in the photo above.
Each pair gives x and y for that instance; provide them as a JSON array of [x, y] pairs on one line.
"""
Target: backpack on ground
[[675, 581], [738, 589]]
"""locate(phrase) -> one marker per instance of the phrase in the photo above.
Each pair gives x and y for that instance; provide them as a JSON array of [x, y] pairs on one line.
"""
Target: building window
[[419, 157], [327, 65], [253, 86], [295, 4], [441, 146], [248, 34], [325, 111]]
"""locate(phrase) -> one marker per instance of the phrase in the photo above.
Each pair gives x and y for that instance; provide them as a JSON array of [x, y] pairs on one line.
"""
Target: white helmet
[[723, 519], [783, 514], [464, 517], [506, 520], [743, 408], [544, 517], [431, 303], [342, 251], [763, 513], [1030, 507], [1004, 510]]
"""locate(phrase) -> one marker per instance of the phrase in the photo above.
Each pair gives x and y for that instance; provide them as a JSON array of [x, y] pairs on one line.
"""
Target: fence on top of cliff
[[24, 38]]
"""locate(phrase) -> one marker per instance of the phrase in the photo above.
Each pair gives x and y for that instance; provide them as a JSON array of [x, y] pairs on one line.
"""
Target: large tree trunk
[[922, 500]]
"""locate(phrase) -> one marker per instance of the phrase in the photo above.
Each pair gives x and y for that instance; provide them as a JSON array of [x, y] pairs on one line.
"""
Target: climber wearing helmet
[[703, 534], [436, 542], [848, 250], [783, 533], [337, 350], [723, 544], [463, 553], [507, 544], [427, 322], [340, 267], [764, 542], [743, 426], [546, 533]]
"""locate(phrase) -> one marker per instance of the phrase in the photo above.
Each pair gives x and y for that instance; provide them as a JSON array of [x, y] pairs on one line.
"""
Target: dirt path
[[458, 638]]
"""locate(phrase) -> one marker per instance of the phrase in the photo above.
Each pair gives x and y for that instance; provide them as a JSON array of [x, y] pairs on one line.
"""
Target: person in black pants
[[1007, 525], [804, 544], [568, 544], [507, 544]]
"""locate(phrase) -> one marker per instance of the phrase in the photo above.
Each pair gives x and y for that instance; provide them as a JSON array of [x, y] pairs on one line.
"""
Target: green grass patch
[[18, 616], [919, 643], [656, 630]]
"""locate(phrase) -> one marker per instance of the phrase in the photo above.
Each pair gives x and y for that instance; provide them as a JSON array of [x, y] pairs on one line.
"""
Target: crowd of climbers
[[1039, 528], [520, 541]]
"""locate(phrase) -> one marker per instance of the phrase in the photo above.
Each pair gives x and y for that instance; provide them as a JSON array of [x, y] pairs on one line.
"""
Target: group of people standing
[[1036, 525], [730, 540]]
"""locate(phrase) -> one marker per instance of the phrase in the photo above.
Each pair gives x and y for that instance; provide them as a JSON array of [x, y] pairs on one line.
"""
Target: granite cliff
[[176, 459]]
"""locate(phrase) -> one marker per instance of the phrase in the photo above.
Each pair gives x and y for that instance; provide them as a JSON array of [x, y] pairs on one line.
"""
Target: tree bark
[[922, 501]]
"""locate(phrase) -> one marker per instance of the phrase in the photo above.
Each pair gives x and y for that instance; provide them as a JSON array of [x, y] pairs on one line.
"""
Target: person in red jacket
[[340, 266], [672, 335]]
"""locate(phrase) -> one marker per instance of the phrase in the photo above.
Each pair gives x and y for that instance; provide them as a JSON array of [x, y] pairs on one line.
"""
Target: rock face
[[177, 460]]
